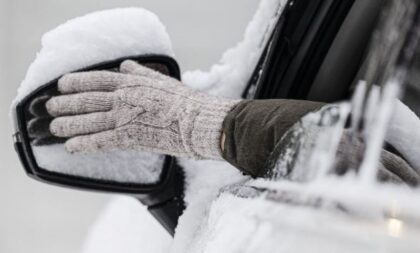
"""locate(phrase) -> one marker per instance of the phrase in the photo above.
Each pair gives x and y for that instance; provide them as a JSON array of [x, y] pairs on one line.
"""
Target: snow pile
[[116, 166], [312, 217], [85, 41], [94, 38], [204, 180]]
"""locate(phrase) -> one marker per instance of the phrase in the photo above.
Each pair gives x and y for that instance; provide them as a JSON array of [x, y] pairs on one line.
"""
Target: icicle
[[374, 144], [357, 105], [371, 108], [326, 147]]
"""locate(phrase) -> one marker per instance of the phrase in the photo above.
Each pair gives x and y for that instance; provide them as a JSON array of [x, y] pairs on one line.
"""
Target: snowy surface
[[117, 166], [291, 224], [94, 38]]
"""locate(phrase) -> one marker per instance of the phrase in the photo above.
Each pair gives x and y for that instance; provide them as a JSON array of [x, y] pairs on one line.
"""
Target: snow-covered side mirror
[[45, 158], [97, 41]]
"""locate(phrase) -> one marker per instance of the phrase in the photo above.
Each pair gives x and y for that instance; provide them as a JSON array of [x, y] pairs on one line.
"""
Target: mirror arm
[[167, 204]]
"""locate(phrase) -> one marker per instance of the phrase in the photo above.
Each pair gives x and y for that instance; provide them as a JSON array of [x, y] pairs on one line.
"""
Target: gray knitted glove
[[138, 108]]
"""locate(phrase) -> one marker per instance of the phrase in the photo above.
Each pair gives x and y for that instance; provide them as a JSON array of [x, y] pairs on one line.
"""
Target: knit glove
[[137, 108]]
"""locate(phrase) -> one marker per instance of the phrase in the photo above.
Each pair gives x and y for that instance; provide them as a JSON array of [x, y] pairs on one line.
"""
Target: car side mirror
[[149, 177]]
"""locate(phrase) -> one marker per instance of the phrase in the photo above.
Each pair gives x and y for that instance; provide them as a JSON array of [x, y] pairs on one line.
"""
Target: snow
[[116, 166], [84, 41], [261, 225], [204, 181], [94, 38]]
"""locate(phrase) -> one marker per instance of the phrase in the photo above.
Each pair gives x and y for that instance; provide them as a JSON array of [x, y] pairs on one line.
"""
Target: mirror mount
[[168, 205]]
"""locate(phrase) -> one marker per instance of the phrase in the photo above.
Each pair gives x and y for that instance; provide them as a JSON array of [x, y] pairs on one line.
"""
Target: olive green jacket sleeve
[[254, 127]]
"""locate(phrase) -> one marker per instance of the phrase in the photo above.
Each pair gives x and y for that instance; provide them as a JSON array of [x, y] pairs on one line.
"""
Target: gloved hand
[[392, 168], [138, 108]]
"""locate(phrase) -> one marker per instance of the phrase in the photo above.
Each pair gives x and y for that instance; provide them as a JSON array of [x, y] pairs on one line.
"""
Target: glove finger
[[39, 128], [127, 138], [400, 167], [47, 141], [92, 143], [133, 68], [81, 103], [69, 126], [37, 107], [91, 81]]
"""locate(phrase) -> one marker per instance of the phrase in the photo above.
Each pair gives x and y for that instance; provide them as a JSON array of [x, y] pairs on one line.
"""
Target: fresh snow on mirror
[[95, 38], [117, 166]]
